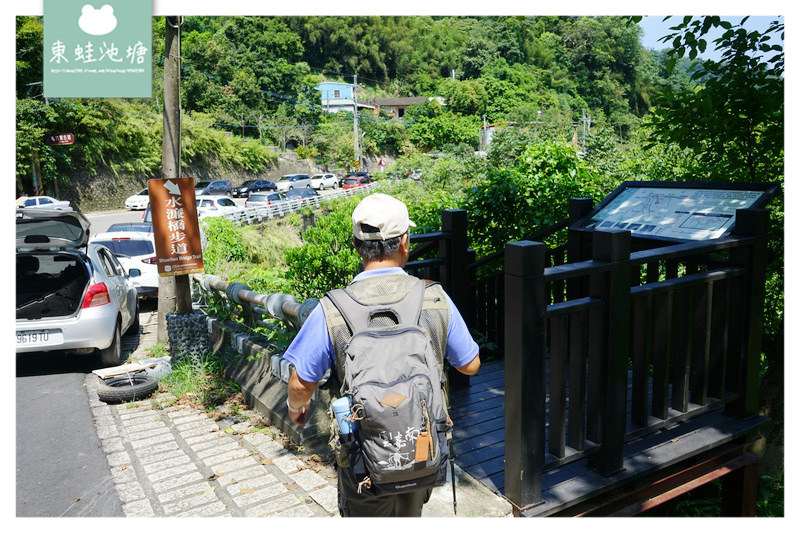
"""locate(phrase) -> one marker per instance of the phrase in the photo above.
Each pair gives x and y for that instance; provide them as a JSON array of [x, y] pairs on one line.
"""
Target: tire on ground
[[126, 388]]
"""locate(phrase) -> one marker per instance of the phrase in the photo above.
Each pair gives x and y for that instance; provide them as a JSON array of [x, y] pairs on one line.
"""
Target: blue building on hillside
[[337, 96]]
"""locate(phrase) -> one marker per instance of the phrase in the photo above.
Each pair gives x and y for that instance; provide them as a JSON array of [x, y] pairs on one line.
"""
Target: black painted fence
[[642, 339]]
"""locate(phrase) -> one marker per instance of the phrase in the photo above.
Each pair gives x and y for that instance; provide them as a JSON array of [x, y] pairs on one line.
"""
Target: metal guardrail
[[275, 305], [250, 215]]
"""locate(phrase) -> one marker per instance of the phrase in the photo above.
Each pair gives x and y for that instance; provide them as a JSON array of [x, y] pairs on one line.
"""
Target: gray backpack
[[397, 396]]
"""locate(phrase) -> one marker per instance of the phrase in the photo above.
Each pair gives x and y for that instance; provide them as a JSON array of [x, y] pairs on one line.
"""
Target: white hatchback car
[[136, 250], [72, 296], [215, 206], [140, 200], [324, 181]]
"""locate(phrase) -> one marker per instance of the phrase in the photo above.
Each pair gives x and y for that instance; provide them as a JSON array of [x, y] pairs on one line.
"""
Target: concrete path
[[168, 459]]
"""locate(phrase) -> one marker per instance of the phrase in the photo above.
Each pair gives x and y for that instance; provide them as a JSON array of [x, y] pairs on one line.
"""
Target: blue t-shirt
[[311, 351]]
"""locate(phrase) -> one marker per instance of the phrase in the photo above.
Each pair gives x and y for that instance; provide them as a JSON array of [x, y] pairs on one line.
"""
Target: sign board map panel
[[175, 228], [673, 213]]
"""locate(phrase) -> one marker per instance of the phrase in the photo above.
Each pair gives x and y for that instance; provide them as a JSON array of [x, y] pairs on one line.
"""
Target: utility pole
[[356, 152], [174, 294]]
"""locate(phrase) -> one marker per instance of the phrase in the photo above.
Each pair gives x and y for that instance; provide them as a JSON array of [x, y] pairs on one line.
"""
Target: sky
[[654, 27]]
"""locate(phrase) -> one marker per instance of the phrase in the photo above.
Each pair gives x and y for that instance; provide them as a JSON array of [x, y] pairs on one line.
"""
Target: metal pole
[[356, 154]]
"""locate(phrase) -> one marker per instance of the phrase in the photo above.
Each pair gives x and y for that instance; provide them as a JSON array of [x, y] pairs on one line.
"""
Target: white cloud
[[97, 21]]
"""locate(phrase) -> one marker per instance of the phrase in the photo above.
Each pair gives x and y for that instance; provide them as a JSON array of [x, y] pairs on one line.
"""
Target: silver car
[[294, 181], [71, 295], [263, 199]]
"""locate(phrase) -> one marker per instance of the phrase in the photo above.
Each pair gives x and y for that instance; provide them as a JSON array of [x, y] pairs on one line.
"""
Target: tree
[[733, 122], [734, 119]]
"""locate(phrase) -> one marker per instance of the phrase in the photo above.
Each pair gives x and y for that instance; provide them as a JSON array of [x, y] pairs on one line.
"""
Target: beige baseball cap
[[384, 212]]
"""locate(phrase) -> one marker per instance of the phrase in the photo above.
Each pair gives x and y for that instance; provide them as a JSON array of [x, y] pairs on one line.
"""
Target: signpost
[[177, 233], [61, 139]]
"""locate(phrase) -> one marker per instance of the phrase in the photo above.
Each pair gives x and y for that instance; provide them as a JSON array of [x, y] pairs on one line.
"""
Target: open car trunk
[[49, 284]]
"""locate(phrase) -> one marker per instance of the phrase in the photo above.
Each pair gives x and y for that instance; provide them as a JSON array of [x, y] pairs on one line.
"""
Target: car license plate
[[39, 337]]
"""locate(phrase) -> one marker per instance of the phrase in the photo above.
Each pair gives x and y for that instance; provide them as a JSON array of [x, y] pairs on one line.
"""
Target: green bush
[[223, 243], [514, 202], [326, 259]]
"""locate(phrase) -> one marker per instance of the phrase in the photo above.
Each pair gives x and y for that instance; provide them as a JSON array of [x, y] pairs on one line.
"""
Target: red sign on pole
[[60, 139], [177, 233]]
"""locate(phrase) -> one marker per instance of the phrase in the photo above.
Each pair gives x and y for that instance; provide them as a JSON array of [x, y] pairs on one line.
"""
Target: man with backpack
[[385, 338]]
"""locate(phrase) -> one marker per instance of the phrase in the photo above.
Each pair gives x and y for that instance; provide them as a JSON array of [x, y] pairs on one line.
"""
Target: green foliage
[[201, 144], [446, 128], [224, 243], [326, 259], [517, 201], [734, 120]]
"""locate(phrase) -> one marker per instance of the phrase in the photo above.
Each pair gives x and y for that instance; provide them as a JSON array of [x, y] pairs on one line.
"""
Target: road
[[101, 220], [61, 469]]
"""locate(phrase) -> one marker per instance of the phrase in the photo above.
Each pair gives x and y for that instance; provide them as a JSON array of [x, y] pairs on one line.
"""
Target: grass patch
[[198, 381]]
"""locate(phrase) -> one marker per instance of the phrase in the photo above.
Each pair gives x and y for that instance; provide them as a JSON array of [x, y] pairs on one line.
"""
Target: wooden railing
[[640, 341]]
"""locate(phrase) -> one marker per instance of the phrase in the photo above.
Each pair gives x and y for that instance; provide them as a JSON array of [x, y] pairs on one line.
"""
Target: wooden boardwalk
[[478, 443]]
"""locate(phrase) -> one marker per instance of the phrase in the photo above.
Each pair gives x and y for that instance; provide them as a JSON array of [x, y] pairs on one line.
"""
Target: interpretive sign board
[[177, 233], [690, 211]]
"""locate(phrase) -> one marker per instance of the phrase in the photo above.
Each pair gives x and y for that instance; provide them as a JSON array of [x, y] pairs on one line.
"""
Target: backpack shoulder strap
[[357, 315]]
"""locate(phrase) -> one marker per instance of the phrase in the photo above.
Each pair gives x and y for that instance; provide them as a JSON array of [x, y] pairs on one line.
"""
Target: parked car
[[215, 206], [250, 186], [261, 199], [324, 181], [140, 200], [415, 174], [46, 202], [355, 181], [212, 187], [135, 250], [72, 296], [299, 194], [146, 227], [294, 181]]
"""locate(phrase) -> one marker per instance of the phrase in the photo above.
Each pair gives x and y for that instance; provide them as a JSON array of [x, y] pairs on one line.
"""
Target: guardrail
[[275, 305], [251, 215]]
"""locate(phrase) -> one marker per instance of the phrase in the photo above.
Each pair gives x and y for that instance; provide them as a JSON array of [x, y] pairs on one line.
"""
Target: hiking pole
[[452, 470], [450, 434]]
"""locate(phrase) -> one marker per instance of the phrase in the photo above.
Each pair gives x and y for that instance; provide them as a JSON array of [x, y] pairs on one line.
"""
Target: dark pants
[[351, 503]]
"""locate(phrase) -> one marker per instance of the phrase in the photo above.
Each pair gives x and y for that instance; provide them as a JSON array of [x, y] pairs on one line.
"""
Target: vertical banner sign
[[175, 227], [98, 48]]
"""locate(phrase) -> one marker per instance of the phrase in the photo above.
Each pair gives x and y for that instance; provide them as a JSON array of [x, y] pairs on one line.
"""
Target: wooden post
[[740, 489], [455, 277], [174, 292], [751, 223], [525, 356], [576, 249], [614, 289]]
